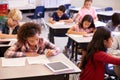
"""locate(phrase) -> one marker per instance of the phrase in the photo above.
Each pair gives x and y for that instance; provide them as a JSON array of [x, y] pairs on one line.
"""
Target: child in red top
[[93, 63]]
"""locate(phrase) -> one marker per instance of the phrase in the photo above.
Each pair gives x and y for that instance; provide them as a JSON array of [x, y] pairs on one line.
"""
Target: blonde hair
[[15, 14]]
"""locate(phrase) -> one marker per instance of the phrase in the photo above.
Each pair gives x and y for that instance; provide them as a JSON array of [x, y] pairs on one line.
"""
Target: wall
[[99, 3]]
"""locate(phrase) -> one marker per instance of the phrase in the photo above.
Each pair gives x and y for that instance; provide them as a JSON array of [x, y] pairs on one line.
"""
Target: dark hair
[[62, 8], [116, 19], [28, 29], [88, 18], [96, 44]]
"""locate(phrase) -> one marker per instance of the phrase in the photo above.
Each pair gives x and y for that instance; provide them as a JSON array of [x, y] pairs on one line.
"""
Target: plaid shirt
[[18, 50]]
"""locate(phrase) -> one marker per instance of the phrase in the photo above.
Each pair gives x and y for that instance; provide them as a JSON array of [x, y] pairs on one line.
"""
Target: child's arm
[[12, 52], [8, 35], [67, 20], [51, 49], [51, 20], [72, 31]]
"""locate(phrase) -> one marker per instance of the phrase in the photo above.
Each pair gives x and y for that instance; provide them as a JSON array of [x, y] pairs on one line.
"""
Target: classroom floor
[[59, 41]]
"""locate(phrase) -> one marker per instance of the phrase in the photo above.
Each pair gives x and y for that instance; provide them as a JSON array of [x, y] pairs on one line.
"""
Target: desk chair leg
[[42, 19]]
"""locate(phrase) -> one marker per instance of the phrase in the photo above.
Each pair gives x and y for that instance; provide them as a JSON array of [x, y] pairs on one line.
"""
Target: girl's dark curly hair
[[28, 29]]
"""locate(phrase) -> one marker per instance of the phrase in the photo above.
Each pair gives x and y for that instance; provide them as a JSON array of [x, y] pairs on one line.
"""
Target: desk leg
[[72, 55], [76, 46], [51, 35]]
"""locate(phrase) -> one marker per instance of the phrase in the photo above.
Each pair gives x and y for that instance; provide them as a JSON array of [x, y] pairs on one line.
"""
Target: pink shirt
[[84, 11], [88, 30]]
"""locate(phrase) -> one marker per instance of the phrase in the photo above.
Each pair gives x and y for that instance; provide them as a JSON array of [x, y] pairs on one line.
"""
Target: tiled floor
[[59, 41]]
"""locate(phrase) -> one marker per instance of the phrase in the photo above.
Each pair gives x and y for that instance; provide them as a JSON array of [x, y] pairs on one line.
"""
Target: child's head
[[116, 19], [102, 39], [87, 22], [87, 3], [61, 10], [29, 32], [13, 17]]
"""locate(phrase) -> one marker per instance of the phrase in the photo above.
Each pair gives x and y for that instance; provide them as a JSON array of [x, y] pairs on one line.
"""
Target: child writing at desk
[[60, 16], [30, 43], [10, 27], [86, 28]]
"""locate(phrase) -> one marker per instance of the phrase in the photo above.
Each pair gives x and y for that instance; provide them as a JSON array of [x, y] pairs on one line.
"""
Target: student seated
[[30, 43], [85, 27], [85, 10], [60, 16], [114, 24], [93, 63], [10, 27]]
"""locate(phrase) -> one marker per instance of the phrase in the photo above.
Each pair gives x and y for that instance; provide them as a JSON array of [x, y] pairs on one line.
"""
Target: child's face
[[87, 4], [108, 42], [86, 24], [60, 13], [33, 41], [12, 23]]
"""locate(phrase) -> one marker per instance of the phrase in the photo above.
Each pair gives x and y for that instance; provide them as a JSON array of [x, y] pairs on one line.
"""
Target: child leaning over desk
[[86, 28], [60, 16], [30, 43], [10, 27]]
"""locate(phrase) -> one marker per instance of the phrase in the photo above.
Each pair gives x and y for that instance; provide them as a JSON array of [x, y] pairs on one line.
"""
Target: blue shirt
[[57, 18]]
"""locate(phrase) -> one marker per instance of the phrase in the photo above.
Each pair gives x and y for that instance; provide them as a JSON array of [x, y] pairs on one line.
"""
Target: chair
[[108, 9], [67, 9], [39, 14]]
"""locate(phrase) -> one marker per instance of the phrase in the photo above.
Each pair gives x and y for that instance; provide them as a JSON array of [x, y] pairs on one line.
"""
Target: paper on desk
[[74, 35], [13, 62], [58, 23], [42, 59]]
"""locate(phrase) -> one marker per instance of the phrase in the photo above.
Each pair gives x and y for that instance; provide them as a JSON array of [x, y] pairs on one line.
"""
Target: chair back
[[39, 12], [108, 9]]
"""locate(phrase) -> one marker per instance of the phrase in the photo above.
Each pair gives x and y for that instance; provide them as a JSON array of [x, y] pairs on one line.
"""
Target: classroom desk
[[62, 29], [76, 40], [58, 29], [76, 9], [37, 71], [106, 15], [99, 23], [5, 44], [11, 42]]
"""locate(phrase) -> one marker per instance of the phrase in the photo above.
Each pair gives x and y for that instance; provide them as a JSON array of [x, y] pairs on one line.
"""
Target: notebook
[[58, 67]]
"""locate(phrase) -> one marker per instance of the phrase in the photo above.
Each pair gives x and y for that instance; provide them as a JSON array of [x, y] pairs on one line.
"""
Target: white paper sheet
[[42, 59], [6, 62]]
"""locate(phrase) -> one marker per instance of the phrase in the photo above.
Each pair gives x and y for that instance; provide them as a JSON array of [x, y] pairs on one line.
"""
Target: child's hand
[[49, 52], [31, 54]]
